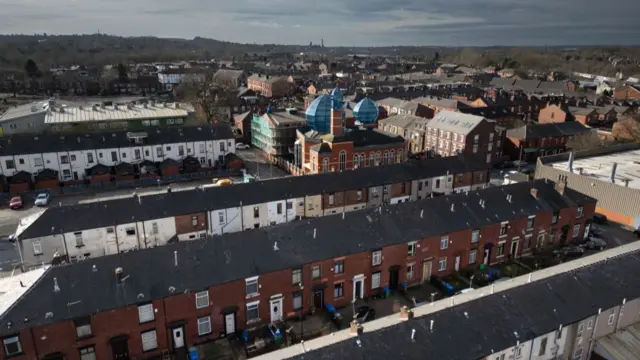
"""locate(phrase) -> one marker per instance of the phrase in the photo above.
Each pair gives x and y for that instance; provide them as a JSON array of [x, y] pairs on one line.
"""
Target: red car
[[15, 203]]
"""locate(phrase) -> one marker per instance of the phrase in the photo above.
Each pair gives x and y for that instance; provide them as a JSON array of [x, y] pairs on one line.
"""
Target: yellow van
[[224, 182]]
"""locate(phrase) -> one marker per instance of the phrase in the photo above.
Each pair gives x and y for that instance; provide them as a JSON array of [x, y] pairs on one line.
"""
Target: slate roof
[[538, 131], [236, 256], [25, 110], [23, 144], [531, 310], [403, 121], [364, 137], [120, 211], [501, 82], [455, 122], [436, 101]]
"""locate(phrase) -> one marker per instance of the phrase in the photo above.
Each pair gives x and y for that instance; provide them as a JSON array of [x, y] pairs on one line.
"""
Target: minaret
[[322, 42]]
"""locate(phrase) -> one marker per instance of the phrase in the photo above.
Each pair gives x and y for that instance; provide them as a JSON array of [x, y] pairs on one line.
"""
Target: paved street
[[257, 165]]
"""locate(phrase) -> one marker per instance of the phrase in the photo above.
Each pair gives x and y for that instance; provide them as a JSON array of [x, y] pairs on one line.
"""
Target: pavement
[[257, 164]]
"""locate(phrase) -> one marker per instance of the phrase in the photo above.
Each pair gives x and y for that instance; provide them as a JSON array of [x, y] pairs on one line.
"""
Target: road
[[257, 164]]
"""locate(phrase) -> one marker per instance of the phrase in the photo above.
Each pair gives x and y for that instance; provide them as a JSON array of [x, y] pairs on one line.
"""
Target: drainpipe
[[241, 216], [592, 338], [144, 232], [624, 301], [115, 231], [33, 339]]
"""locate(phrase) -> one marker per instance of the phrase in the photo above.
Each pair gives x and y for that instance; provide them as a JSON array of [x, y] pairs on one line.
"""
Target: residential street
[[257, 165]]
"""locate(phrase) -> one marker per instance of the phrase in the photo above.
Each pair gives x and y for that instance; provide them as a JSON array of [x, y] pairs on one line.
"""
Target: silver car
[[43, 199]]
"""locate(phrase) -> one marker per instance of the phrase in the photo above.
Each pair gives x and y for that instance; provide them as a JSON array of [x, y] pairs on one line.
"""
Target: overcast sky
[[345, 23]]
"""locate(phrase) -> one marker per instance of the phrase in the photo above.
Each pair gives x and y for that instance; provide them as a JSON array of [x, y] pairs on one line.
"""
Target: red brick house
[[164, 300], [270, 86], [531, 141]]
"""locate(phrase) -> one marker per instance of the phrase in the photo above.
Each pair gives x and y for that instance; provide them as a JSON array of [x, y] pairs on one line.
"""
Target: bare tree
[[213, 102], [627, 129], [584, 141]]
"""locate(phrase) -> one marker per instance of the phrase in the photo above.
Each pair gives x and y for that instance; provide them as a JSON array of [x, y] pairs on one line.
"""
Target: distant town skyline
[[339, 23]]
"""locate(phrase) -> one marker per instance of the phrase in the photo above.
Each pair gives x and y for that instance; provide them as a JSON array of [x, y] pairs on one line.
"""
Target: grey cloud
[[339, 22]]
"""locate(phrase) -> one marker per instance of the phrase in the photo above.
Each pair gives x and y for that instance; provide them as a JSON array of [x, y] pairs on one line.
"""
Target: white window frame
[[444, 243], [412, 248], [37, 247], [442, 264], [204, 321], [202, 299], [411, 272], [146, 313], [475, 236], [589, 324], [611, 319], [12, 340], [253, 306], [473, 255], [576, 231], [88, 353], [580, 211], [296, 276], [149, 340], [375, 280], [376, 258], [532, 219], [315, 268], [252, 281], [580, 328]]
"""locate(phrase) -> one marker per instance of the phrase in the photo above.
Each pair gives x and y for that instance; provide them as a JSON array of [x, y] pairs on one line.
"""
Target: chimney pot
[[614, 167], [534, 192], [119, 275]]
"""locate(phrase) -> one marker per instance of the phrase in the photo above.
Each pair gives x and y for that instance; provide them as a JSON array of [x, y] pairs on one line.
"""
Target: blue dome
[[337, 98], [318, 114], [366, 111]]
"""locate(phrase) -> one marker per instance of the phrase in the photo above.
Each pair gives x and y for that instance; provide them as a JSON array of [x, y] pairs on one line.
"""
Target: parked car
[[365, 313], [43, 199], [600, 219], [595, 232], [15, 203], [594, 243], [241, 146], [636, 232], [519, 163], [569, 251]]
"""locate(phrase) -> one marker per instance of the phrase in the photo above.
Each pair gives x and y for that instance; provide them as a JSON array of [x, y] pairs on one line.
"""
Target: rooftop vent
[[119, 272]]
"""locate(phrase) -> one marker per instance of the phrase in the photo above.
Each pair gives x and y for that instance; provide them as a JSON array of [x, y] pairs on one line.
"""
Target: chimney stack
[[119, 275], [534, 193], [570, 164], [337, 128], [614, 167], [560, 186]]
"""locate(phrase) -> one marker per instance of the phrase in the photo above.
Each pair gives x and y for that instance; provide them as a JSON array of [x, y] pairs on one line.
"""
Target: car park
[[15, 203], [594, 243]]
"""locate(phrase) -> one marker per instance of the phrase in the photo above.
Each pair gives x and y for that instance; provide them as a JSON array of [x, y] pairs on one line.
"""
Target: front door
[[276, 310], [120, 348], [357, 288], [587, 228], [514, 249], [178, 337], [75, 175], [318, 300], [426, 271], [393, 278], [457, 264], [230, 323]]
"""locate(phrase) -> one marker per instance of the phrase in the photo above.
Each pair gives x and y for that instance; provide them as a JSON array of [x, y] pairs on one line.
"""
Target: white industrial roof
[[13, 287], [600, 167], [24, 110], [114, 113]]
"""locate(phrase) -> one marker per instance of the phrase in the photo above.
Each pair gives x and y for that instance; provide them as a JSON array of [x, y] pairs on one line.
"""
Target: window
[[580, 328], [362, 164], [289, 205], [530, 221], [444, 243], [500, 251], [399, 156], [79, 241], [375, 280], [10, 164], [378, 157], [222, 146], [146, 123], [489, 157], [253, 311], [473, 255], [325, 164], [279, 208], [136, 154], [221, 217], [437, 183], [475, 236], [442, 264], [355, 161], [202, 299], [296, 277], [580, 211], [576, 230], [159, 151], [315, 272], [13, 126], [297, 300], [338, 290], [589, 324], [342, 160], [204, 325], [371, 159], [411, 272], [64, 159], [149, 340], [339, 267], [114, 156], [256, 212], [145, 313], [543, 347], [155, 122], [194, 221], [12, 346], [37, 162], [385, 158], [88, 353], [392, 156], [202, 149], [252, 286], [37, 247], [611, 318], [411, 248], [554, 219], [577, 354], [130, 231], [181, 150], [503, 228], [83, 327], [376, 258], [359, 195], [330, 199]]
